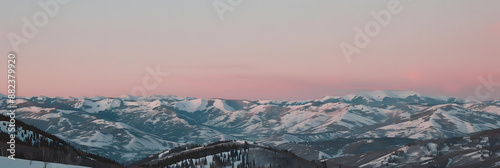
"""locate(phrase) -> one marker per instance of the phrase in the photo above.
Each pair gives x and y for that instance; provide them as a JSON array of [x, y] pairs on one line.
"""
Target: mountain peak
[[381, 94], [156, 103]]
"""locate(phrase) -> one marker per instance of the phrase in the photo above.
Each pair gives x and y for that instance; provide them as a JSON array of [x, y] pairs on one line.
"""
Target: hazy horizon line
[[203, 97]]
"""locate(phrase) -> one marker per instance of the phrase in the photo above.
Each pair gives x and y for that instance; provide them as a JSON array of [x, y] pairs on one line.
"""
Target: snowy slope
[[21, 163], [475, 150], [192, 105], [96, 104]]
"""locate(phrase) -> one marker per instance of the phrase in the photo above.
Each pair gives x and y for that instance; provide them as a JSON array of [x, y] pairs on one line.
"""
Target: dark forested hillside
[[227, 154], [32, 143]]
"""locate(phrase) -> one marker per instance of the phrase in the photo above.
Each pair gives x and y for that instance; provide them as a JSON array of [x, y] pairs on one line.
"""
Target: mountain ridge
[[118, 127], [171, 96]]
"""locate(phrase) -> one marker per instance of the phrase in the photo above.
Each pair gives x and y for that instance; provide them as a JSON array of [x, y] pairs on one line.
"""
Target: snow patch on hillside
[[94, 106], [156, 103], [22, 163], [192, 105], [96, 139], [221, 104]]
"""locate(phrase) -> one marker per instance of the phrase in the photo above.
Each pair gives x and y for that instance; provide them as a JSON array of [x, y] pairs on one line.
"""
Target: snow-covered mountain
[[129, 128], [475, 150]]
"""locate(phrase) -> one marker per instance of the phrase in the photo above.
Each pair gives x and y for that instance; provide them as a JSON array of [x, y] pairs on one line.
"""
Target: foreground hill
[[37, 145], [129, 128], [22, 163], [226, 154]]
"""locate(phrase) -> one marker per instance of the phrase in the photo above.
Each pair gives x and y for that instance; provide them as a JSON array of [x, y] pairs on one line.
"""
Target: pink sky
[[262, 49]]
